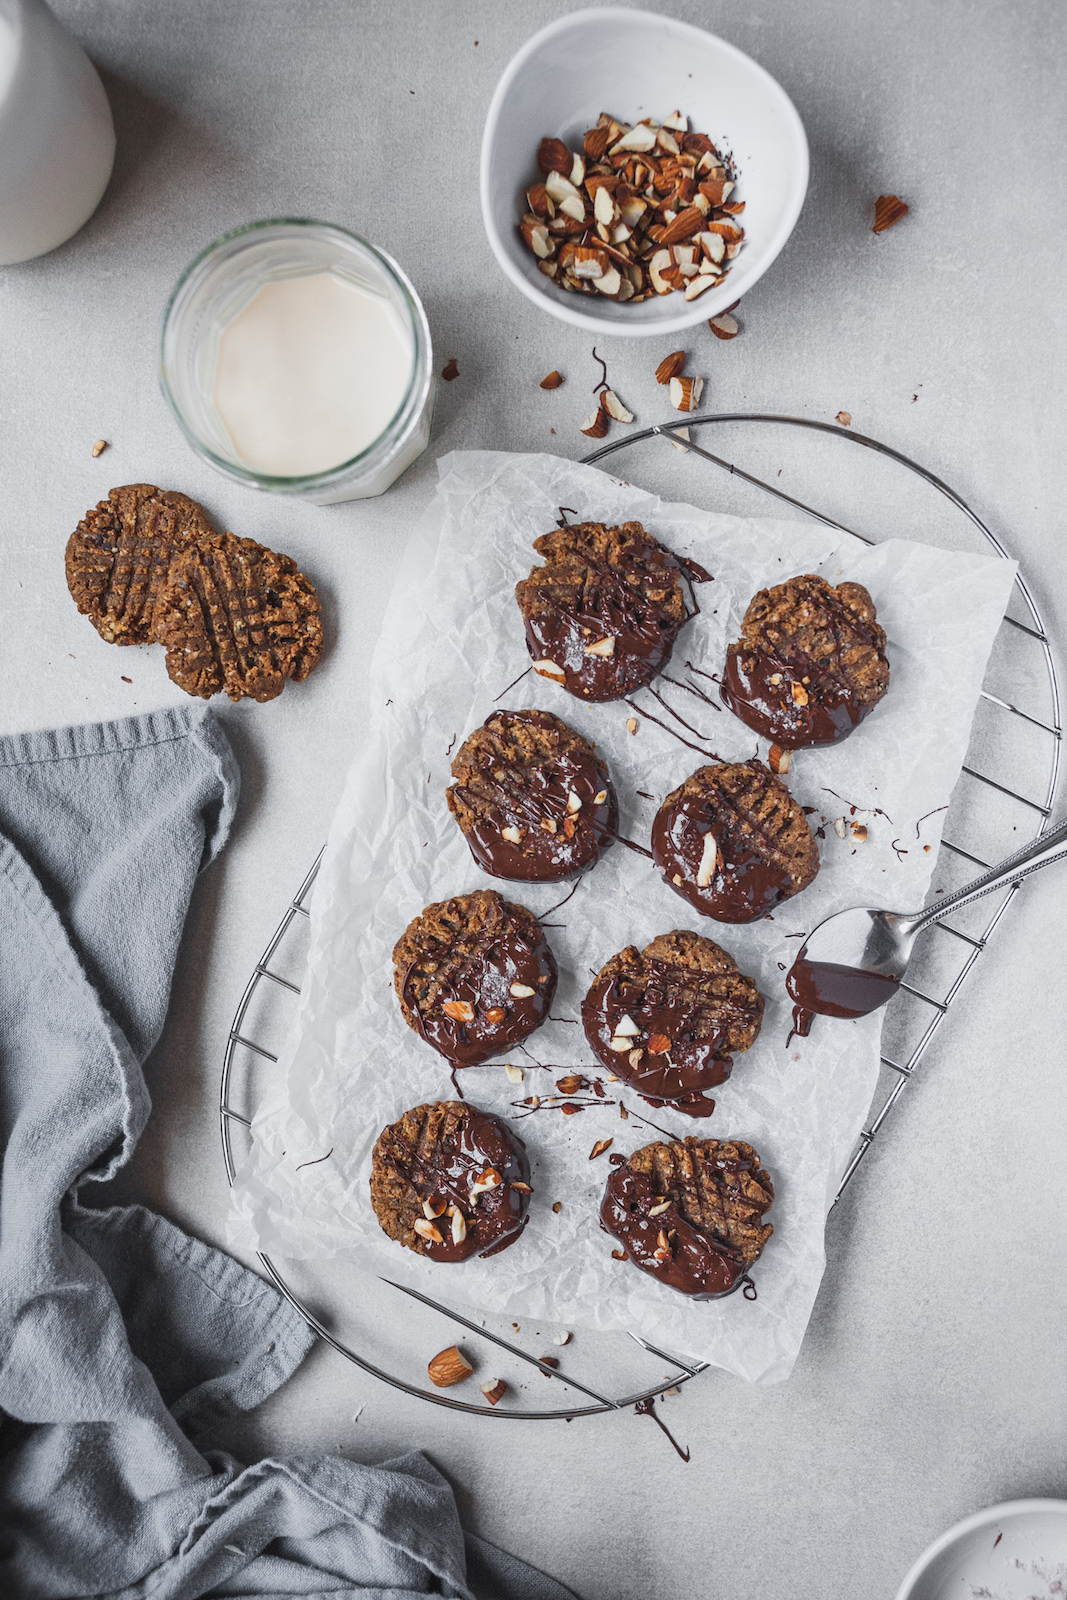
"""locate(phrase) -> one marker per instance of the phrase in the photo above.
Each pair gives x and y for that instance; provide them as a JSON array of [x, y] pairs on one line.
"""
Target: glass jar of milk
[[297, 358]]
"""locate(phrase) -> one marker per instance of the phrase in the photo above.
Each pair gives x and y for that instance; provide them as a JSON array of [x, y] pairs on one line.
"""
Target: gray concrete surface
[[932, 1380]]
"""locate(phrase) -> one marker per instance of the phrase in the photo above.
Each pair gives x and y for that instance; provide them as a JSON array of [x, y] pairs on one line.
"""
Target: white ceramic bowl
[[1012, 1551], [637, 64]]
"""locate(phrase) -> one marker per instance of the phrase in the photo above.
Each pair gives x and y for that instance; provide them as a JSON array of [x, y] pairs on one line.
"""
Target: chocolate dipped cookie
[[668, 1019], [690, 1213], [603, 612], [532, 797], [449, 1181], [733, 842], [474, 975], [810, 663]]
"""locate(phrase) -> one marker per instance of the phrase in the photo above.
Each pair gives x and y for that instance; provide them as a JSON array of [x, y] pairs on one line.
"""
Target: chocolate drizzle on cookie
[[667, 1020], [533, 799], [604, 611], [810, 663], [733, 842], [445, 1159], [474, 975], [690, 1213]]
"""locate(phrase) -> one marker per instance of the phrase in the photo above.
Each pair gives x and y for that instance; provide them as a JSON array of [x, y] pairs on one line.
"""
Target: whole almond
[[670, 367], [448, 1367], [553, 156]]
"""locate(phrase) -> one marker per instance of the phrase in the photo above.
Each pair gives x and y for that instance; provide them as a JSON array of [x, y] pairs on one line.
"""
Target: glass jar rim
[[407, 411]]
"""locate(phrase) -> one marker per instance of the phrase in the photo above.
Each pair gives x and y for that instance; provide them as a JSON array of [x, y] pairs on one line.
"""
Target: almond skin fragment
[[888, 209], [599, 1148], [671, 366], [448, 1367], [553, 381]]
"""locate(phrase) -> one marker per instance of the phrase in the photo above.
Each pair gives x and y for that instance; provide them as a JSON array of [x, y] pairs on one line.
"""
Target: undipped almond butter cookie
[[146, 566], [119, 555], [237, 617]]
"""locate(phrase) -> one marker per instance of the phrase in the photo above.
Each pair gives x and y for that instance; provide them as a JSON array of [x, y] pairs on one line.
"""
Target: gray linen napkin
[[121, 1338]]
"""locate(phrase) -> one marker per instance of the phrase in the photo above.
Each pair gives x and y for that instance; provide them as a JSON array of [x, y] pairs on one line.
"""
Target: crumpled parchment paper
[[452, 640]]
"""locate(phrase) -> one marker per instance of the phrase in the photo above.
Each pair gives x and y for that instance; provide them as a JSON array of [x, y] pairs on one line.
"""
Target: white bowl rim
[[694, 312], [973, 1524]]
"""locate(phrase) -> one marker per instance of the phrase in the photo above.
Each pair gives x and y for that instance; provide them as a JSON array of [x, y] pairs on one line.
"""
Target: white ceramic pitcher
[[57, 140]]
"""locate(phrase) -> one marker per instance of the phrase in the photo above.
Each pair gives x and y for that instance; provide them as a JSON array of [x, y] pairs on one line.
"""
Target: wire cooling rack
[[1007, 788]]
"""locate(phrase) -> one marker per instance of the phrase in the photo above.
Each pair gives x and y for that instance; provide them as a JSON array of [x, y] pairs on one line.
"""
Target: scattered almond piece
[[685, 393], [570, 1084], [450, 370], [495, 1014], [779, 760], [553, 380], [521, 991], [599, 1148], [844, 418], [549, 1361], [557, 1206], [670, 367], [657, 1211], [888, 209], [512, 834], [495, 1390], [841, 827], [595, 425], [614, 406], [448, 1367], [428, 1230], [631, 724], [99, 447], [724, 326], [514, 1073], [619, 1255], [859, 832], [548, 669], [563, 1337], [602, 647]]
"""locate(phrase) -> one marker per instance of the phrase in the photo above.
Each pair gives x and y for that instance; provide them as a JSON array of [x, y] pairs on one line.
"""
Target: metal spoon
[[854, 961]]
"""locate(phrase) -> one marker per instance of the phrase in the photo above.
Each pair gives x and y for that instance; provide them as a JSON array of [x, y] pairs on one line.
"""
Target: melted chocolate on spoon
[[825, 988]]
